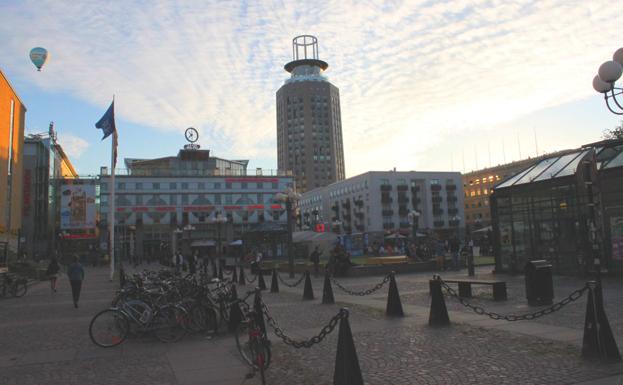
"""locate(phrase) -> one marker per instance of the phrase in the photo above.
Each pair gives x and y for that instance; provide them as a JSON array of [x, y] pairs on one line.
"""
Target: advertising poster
[[616, 234], [77, 206]]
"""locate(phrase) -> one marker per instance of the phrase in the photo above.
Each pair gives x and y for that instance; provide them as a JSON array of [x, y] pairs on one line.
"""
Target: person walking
[[455, 247], [192, 263], [315, 258], [75, 272], [52, 273], [440, 252], [178, 261]]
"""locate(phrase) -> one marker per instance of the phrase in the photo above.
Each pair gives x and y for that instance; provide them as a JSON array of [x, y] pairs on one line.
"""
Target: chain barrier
[[365, 292], [326, 330], [252, 280], [574, 296], [298, 282]]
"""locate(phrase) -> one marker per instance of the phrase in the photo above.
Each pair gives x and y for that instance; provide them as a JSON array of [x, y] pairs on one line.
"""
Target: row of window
[[191, 185]]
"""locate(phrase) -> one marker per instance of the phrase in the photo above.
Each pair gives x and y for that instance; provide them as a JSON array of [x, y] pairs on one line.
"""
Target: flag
[[107, 122]]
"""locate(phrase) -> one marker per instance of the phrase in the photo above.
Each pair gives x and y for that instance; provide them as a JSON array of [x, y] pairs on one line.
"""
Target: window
[[201, 186], [228, 185], [121, 186], [172, 186], [275, 185], [184, 186], [156, 186], [173, 199], [217, 199], [434, 181], [185, 199], [228, 199], [104, 186], [260, 185], [139, 199], [139, 185], [217, 185], [384, 182], [243, 185]]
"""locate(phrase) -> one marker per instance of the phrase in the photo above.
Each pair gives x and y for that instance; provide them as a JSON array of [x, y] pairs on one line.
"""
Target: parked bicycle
[[13, 285]]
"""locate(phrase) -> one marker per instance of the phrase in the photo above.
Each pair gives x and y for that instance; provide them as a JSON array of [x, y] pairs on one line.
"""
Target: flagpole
[[112, 204]]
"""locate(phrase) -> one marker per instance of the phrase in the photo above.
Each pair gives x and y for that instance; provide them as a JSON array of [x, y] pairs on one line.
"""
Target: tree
[[615, 133]]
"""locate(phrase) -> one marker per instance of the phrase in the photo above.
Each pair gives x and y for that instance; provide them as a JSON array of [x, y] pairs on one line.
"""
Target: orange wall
[[19, 113]]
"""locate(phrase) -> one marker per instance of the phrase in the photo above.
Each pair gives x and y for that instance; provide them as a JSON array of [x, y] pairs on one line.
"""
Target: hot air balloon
[[38, 56]]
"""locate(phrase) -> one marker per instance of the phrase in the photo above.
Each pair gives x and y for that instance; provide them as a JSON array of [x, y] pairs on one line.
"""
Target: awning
[[483, 230], [202, 242], [395, 236], [237, 242]]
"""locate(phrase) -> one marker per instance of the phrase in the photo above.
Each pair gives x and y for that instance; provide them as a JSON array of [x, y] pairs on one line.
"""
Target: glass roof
[[566, 164]]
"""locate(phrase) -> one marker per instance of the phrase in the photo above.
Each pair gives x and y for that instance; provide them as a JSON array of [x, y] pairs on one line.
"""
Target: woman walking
[[75, 272], [52, 273]]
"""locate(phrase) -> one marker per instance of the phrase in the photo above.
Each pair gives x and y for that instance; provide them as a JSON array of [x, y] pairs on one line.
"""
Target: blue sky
[[424, 85]]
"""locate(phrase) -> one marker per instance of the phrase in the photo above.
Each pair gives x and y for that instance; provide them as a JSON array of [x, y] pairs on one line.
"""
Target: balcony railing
[[402, 187], [403, 199], [439, 223], [359, 214], [405, 225], [453, 211], [435, 187], [415, 189], [437, 211], [359, 202], [388, 226], [436, 199], [451, 187], [360, 227], [386, 199], [387, 213], [452, 199], [402, 210], [454, 223], [386, 187]]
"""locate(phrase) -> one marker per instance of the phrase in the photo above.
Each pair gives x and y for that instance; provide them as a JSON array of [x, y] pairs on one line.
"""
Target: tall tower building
[[309, 125]]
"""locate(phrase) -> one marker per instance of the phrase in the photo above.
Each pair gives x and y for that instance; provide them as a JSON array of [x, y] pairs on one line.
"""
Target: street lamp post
[[290, 197], [609, 72], [414, 219], [218, 219]]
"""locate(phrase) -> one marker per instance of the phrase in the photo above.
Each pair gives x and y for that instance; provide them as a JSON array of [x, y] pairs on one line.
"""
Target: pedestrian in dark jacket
[[52, 273], [75, 273]]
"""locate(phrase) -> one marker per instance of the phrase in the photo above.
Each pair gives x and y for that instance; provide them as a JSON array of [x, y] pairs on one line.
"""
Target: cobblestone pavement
[[44, 340]]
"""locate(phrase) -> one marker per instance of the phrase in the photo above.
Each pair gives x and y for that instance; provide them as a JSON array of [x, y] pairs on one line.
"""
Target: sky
[[424, 85]]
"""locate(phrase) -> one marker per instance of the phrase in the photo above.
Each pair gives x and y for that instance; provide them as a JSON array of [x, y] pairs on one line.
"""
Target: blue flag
[[107, 122]]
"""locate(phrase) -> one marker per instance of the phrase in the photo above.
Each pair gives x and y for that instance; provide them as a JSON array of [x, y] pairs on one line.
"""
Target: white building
[[378, 203], [194, 201]]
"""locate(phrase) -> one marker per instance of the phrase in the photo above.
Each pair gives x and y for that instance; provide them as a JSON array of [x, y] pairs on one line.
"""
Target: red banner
[[255, 207], [198, 208], [232, 208]]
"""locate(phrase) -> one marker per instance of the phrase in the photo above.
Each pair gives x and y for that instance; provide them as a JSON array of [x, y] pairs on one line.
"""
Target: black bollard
[[259, 310], [347, 370], [308, 292], [234, 276], [274, 284], [241, 278], [235, 317], [598, 341], [260, 278], [214, 271], [394, 305], [438, 311], [234, 292], [220, 272], [327, 290]]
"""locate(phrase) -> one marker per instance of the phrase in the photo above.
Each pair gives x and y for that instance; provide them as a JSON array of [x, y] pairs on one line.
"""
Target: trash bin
[[539, 285]]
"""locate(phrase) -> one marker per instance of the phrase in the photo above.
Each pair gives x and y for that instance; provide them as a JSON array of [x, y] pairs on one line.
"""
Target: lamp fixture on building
[[609, 72]]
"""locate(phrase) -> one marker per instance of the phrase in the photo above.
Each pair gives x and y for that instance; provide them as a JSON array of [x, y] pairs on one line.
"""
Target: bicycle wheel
[[252, 351], [203, 318], [108, 328], [19, 288], [168, 323]]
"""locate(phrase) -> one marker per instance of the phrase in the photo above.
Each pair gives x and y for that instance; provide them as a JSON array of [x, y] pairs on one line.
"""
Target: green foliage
[[615, 133]]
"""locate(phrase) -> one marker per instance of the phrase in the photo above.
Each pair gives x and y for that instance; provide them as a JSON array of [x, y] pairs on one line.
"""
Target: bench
[[386, 260], [465, 287]]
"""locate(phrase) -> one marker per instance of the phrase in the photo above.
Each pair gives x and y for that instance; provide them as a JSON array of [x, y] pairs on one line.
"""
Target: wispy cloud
[[411, 74], [72, 145]]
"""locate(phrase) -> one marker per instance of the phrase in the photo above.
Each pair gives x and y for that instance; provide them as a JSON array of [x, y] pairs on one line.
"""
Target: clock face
[[191, 135]]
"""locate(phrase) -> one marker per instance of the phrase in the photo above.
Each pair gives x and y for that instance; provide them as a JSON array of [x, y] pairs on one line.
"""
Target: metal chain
[[574, 296], [327, 329], [251, 280], [228, 272], [291, 284], [365, 292]]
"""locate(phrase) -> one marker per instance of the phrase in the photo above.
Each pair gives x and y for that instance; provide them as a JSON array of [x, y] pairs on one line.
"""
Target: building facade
[[379, 203], [194, 202], [478, 186], [12, 120], [46, 166], [309, 124], [566, 209]]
